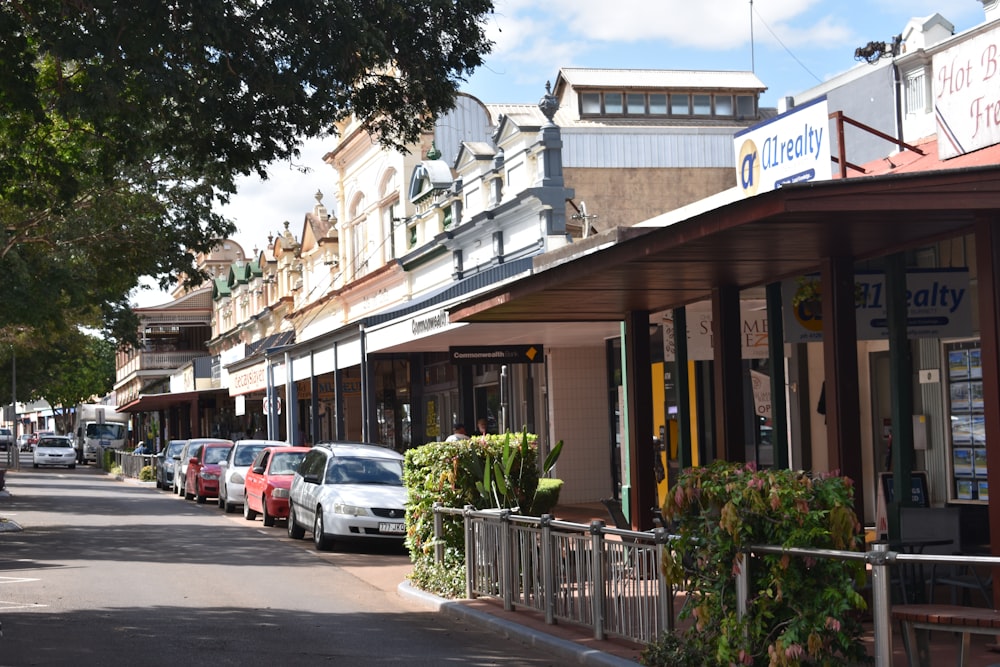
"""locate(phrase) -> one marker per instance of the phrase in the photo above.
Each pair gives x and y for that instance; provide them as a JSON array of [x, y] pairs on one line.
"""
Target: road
[[106, 572]]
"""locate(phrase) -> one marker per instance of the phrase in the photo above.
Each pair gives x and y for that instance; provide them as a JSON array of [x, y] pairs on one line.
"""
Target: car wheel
[[35, 464], [72, 466], [248, 513], [222, 499], [295, 531], [187, 494], [321, 540], [200, 498], [265, 517]]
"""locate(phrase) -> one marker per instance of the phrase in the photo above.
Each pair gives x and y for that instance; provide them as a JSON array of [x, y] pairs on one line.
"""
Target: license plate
[[392, 528]]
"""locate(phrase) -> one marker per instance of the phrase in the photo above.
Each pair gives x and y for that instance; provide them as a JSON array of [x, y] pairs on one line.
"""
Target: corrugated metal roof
[[658, 78]]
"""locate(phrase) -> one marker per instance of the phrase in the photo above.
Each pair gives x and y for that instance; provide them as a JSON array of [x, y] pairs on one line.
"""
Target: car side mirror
[[193, 459], [311, 478], [259, 470]]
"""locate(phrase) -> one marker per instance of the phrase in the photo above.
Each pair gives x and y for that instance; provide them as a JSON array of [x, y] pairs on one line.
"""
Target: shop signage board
[[966, 101], [938, 306], [753, 335], [248, 380], [497, 354], [793, 147]]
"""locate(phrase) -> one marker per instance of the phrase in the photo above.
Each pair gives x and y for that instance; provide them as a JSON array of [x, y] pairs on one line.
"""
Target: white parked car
[[234, 471], [347, 491], [55, 450]]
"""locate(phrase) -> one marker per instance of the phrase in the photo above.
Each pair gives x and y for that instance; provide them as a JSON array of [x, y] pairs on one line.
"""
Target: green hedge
[[546, 496], [480, 472]]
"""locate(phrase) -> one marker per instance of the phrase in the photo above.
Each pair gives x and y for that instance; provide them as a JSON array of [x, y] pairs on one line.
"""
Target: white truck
[[99, 426]]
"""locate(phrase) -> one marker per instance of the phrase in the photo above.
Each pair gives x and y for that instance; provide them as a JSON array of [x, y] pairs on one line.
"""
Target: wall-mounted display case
[[967, 424]]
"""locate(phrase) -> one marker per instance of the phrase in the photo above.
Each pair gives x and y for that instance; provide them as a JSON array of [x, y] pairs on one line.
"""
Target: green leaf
[[552, 457], [501, 480]]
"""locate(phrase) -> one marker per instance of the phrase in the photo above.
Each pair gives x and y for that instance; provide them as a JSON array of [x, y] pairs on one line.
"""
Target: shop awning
[[753, 242], [154, 402]]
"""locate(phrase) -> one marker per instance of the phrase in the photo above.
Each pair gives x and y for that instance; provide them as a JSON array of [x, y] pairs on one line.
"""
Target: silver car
[[348, 491], [165, 464], [191, 448], [54, 450], [234, 471]]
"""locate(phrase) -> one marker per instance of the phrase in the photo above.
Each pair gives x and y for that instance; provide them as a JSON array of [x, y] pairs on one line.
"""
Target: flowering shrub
[[800, 611]]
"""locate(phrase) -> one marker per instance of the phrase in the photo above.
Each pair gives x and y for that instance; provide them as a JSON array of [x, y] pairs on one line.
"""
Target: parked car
[[203, 470], [346, 490], [33, 437], [6, 439], [268, 480], [234, 470], [165, 463], [55, 450], [191, 448], [24, 442]]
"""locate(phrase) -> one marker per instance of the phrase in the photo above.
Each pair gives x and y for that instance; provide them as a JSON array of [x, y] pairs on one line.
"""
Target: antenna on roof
[[752, 64]]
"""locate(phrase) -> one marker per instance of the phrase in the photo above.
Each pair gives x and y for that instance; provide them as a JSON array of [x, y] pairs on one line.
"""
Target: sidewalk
[[572, 643], [576, 644]]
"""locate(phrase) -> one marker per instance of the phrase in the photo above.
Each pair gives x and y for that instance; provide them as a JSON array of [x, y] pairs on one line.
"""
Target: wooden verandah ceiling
[[760, 240]]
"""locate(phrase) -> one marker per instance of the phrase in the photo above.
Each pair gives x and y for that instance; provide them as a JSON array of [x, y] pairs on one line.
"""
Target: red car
[[203, 470], [267, 482]]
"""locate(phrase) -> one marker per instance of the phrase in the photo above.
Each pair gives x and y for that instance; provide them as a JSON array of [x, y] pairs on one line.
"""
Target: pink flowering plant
[[801, 611]]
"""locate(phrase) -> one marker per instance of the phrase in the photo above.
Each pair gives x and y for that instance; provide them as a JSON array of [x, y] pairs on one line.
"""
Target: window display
[[967, 432]]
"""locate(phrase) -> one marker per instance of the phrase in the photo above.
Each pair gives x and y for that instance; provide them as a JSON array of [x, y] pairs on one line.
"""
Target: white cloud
[[261, 207]]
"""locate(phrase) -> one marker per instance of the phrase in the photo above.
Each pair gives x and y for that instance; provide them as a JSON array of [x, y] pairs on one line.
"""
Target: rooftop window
[[679, 104]]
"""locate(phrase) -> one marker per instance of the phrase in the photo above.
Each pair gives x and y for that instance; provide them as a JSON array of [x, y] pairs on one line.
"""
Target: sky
[[791, 45]]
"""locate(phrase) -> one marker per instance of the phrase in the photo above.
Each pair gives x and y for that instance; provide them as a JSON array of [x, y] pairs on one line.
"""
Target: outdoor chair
[[924, 530]]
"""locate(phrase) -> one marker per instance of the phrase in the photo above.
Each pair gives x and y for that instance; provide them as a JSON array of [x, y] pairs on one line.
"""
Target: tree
[[63, 370], [123, 123]]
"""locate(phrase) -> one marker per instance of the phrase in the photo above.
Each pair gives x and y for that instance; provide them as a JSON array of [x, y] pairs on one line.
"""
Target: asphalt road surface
[[110, 573]]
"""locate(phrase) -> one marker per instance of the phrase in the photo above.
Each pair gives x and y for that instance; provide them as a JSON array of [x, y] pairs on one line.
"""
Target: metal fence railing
[[130, 464], [603, 578], [610, 579], [880, 558]]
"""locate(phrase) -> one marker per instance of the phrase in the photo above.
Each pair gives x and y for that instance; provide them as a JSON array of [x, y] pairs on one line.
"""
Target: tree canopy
[[64, 369], [123, 124]]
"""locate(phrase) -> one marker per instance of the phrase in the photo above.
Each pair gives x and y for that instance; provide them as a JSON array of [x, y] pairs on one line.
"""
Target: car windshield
[[286, 463], [106, 431], [55, 442], [173, 449], [357, 470], [216, 454], [245, 454]]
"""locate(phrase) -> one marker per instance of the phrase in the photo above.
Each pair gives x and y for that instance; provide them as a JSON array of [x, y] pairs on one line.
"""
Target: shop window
[[966, 420]]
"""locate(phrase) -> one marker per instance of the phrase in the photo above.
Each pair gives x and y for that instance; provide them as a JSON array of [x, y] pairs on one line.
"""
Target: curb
[[570, 651]]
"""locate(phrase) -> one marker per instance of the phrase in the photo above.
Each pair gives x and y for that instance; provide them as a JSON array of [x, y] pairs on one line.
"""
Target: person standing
[[482, 426], [458, 433]]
